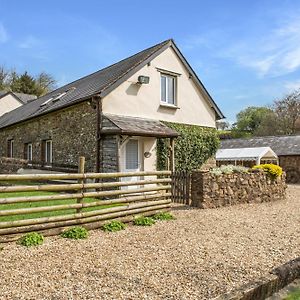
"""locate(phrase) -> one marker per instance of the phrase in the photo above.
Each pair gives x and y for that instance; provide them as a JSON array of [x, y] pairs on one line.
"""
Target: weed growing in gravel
[[31, 239], [76, 233], [295, 295], [143, 221], [113, 226], [163, 216]]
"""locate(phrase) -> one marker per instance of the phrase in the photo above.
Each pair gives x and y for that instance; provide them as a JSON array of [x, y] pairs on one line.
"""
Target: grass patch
[[143, 221], [44, 203], [113, 226], [31, 239], [163, 216], [295, 295], [75, 233]]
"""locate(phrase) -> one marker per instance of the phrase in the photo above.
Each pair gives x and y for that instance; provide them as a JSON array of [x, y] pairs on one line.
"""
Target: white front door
[[131, 159]]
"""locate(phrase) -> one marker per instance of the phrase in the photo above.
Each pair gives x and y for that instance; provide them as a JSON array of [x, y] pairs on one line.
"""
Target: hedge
[[193, 147]]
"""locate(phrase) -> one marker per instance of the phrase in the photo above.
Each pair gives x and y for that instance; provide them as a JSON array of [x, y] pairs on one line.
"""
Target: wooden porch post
[[172, 155]]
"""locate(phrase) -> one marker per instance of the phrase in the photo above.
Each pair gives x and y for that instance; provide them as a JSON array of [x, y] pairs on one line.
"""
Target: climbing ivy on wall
[[193, 147]]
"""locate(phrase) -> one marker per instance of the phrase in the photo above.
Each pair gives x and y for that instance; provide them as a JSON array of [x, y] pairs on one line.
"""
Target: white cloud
[[292, 85], [3, 34], [274, 53], [29, 42]]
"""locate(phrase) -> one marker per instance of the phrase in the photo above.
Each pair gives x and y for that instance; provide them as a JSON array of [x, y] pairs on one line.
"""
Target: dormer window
[[168, 89]]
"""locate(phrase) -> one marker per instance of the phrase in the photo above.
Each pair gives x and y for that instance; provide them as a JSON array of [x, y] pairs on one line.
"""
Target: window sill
[[172, 106]]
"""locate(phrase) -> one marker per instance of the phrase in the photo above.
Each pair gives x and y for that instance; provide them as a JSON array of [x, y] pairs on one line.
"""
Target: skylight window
[[46, 102], [57, 97]]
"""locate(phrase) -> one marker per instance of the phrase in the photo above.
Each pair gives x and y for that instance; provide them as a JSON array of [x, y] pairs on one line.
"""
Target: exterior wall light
[[147, 154], [143, 79]]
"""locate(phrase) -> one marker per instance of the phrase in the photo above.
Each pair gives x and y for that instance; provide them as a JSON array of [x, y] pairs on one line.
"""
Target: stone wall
[[72, 131], [211, 191], [109, 155], [291, 165], [11, 165]]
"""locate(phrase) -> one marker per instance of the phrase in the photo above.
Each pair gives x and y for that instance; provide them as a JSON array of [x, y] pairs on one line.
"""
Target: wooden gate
[[181, 187]]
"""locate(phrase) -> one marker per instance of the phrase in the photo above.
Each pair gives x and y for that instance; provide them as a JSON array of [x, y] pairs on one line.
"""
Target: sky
[[246, 52]]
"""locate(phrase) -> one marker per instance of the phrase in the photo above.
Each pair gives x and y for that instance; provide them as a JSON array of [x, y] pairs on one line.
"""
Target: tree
[[23, 84], [4, 75], [287, 111], [39, 85], [222, 125], [250, 120], [45, 83]]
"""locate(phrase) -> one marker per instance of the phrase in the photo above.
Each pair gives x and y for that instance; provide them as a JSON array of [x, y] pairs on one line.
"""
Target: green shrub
[[143, 221], [163, 216], [76, 233], [193, 147], [273, 170], [113, 226], [31, 239]]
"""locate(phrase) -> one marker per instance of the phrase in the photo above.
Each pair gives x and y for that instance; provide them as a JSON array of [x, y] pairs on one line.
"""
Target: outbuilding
[[287, 148], [246, 156]]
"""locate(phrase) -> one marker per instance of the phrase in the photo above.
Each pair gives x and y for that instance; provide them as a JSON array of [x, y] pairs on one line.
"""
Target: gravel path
[[200, 255]]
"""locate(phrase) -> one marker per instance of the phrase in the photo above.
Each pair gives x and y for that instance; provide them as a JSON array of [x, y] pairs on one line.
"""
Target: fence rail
[[29, 203]]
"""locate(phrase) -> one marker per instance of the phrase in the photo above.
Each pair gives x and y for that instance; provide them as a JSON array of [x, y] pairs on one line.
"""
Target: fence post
[[81, 165]]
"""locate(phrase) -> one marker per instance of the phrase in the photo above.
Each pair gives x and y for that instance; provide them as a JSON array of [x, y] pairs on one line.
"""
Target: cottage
[[114, 116], [287, 148], [11, 100]]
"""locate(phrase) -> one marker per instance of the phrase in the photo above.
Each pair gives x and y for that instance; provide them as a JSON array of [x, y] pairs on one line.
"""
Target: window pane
[[171, 96], [29, 152], [163, 82], [132, 159], [48, 152]]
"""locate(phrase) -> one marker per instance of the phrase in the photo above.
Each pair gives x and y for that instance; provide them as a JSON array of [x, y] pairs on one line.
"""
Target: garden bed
[[200, 255]]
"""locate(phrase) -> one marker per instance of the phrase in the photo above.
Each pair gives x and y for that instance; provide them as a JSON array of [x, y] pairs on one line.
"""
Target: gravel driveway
[[200, 255]]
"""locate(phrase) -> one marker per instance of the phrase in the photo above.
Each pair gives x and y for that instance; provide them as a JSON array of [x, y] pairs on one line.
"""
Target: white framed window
[[168, 85], [132, 155], [48, 151], [10, 148], [28, 151]]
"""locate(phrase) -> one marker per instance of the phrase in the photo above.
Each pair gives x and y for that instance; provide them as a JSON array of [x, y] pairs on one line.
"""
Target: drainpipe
[[98, 132]]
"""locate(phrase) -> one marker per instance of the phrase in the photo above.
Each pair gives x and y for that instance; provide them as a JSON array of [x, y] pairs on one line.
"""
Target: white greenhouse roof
[[246, 153]]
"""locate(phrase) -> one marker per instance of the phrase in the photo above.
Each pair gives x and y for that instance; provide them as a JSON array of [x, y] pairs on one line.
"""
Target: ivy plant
[[143, 221], [193, 147], [113, 226], [76, 233], [31, 239], [163, 216]]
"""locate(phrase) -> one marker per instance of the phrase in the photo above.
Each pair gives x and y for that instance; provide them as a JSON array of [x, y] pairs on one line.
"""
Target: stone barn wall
[[211, 191], [291, 165], [11, 165], [72, 131]]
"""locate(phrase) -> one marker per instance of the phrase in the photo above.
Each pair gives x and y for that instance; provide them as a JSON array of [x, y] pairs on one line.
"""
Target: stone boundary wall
[[211, 191], [266, 286], [11, 165]]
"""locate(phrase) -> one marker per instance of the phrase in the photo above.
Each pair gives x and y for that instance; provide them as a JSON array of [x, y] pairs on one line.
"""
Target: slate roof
[[281, 145], [136, 126], [24, 98], [99, 83]]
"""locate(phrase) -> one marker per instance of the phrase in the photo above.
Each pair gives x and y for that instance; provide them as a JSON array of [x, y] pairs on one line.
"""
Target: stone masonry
[[72, 131], [211, 191]]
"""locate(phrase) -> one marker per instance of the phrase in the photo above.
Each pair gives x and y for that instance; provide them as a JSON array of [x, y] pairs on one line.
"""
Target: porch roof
[[115, 124]]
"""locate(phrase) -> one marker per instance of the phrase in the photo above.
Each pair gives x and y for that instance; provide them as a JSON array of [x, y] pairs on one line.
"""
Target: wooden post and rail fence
[[90, 200]]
